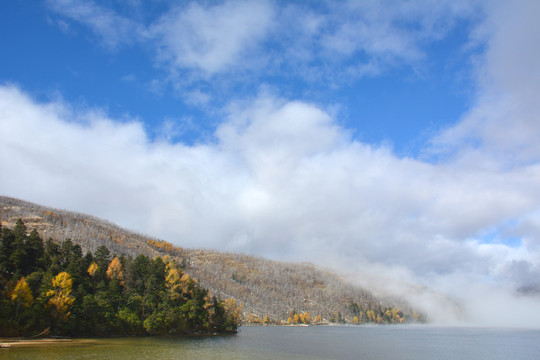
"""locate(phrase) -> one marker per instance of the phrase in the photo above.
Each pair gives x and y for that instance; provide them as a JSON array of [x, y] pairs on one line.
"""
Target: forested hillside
[[268, 291], [52, 289]]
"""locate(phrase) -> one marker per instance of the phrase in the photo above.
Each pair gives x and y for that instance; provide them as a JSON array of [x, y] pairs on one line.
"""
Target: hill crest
[[269, 290]]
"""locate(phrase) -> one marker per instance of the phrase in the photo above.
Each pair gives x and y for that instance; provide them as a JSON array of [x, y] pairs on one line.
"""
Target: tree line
[[55, 289]]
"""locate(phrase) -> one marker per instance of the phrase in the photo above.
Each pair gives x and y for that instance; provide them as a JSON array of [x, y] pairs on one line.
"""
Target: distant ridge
[[86, 230], [270, 291]]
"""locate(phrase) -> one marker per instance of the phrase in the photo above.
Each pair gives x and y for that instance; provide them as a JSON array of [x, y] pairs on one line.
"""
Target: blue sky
[[395, 141], [52, 54]]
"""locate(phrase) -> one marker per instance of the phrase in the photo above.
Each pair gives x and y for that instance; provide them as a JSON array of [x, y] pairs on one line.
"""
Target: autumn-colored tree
[[173, 281], [234, 309], [303, 318], [60, 296], [252, 318], [186, 284], [22, 294], [92, 269], [164, 246], [355, 320], [115, 270]]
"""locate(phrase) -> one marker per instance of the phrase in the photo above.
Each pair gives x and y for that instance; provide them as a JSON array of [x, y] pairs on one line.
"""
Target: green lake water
[[316, 342]]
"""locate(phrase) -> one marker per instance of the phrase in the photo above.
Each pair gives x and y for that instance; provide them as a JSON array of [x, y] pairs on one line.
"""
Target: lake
[[316, 342]]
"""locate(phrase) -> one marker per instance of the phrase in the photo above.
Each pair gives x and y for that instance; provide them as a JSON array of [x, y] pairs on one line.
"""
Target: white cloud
[[505, 120], [281, 174], [212, 39], [282, 180]]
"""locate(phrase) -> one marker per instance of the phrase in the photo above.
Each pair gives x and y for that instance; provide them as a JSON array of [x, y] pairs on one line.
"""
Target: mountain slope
[[266, 288]]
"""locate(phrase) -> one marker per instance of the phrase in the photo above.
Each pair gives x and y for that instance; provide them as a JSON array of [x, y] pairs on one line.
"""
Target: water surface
[[316, 342]]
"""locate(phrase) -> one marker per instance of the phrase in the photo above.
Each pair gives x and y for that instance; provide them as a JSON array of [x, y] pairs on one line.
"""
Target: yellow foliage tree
[[371, 315], [185, 283], [173, 281], [355, 320], [115, 270], [254, 319], [233, 308], [164, 246], [61, 299], [21, 294], [92, 268], [318, 319], [396, 318]]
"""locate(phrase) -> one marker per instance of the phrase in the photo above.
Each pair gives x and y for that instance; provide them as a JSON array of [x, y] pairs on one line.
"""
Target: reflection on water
[[317, 342]]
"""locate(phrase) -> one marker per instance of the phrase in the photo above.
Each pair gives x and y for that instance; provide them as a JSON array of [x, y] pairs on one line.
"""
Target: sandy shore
[[5, 343]]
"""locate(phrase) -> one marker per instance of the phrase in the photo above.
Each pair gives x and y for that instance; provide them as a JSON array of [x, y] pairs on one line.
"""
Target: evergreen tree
[[34, 251], [7, 245]]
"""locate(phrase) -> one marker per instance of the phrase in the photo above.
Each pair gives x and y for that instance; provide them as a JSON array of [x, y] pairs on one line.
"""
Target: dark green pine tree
[[51, 257], [18, 256], [7, 245], [34, 251]]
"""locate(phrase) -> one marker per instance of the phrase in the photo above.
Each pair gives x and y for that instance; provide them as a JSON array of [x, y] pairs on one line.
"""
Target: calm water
[[317, 342]]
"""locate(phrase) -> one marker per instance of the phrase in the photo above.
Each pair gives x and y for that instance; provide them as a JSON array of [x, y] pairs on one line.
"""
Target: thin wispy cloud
[[112, 29], [334, 41]]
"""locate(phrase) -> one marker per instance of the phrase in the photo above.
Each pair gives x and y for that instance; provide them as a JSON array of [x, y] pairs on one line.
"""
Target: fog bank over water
[[456, 300]]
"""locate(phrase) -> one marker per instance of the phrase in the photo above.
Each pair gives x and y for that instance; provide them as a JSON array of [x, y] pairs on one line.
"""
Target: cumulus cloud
[[282, 179], [505, 120]]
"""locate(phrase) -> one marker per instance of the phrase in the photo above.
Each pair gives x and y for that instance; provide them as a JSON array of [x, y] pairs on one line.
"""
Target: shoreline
[[16, 342], [28, 342]]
